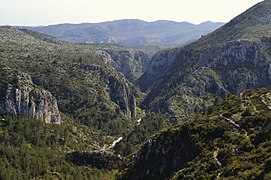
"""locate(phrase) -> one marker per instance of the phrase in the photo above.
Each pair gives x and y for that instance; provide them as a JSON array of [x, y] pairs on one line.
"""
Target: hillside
[[58, 98], [231, 141], [131, 62], [84, 86], [236, 57], [35, 137], [72, 110], [60, 103], [132, 33]]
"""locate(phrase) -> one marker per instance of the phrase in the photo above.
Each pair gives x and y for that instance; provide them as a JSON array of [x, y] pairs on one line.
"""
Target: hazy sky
[[44, 12]]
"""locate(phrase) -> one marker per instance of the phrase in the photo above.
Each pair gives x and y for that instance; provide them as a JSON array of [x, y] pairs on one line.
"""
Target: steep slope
[[131, 62], [251, 25], [130, 32], [96, 104], [236, 57], [231, 141], [19, 96], [85, 87]]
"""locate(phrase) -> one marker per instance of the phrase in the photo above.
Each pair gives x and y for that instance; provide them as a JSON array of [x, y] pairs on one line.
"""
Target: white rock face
[[26, 99]]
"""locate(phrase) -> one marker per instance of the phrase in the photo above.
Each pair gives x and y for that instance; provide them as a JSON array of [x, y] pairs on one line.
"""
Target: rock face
[[19, 96], [158, 65], [131, 62], [192, 78], [118, 90], [242, 65]]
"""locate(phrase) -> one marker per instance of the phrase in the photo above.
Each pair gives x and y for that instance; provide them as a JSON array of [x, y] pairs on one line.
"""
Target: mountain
[[86, 88], [131, 62], [184, 81], [62, 102], [71, 110], [56, 99], [231, 141], [130, 32]]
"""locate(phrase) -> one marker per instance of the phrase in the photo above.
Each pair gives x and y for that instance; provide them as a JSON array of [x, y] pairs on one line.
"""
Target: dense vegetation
[[103, 129], [149, 125], [30, 149], [243, 149], [231, 141], [57, 67]]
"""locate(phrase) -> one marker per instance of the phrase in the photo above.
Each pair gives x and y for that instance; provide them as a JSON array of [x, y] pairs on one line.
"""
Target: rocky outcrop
[[118, 90], [131, 63], [186, 83], [220, 70], [120, 94], [242, 65], [155, 70], [19, 96]]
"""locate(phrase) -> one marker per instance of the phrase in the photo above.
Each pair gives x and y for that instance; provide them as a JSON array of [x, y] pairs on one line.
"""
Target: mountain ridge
[[130, 32], [210, 66]]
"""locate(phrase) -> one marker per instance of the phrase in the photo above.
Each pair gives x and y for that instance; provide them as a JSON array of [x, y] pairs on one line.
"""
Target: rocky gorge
[[200, 111], [119, 91]]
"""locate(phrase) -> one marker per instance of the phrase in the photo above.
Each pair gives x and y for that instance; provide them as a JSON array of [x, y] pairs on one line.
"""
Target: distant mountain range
[[130, 32]]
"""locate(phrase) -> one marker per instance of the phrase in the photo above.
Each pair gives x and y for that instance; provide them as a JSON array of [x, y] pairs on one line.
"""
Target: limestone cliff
[[118, 90], [155, 69], [19, 96], [130, 62]]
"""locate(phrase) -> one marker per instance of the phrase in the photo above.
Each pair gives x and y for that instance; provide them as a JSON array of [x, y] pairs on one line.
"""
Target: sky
[[46, 12]]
